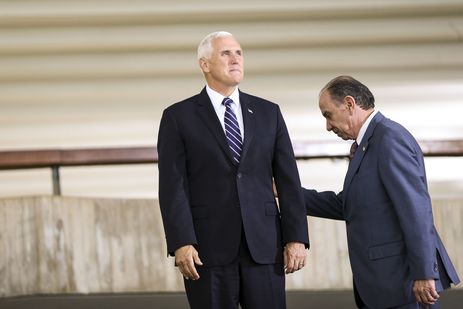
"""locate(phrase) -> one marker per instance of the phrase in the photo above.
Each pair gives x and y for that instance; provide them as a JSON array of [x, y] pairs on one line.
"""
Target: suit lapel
[[360, 153], [247, 110], [209, 116]]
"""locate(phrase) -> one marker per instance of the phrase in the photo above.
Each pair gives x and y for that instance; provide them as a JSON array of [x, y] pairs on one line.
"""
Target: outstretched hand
[[274, 188]]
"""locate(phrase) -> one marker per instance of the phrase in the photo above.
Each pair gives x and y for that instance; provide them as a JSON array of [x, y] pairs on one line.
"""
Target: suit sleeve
[[325, 204], [173, 186], [402, 172], [292, 210]]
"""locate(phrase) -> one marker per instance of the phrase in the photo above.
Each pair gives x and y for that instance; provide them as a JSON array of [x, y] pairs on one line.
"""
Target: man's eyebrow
[[231, 50]]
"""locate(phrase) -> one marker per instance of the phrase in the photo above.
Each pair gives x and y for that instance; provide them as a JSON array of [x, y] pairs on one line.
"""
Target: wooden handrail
[[56, 158], [329, 150], [27, 159]]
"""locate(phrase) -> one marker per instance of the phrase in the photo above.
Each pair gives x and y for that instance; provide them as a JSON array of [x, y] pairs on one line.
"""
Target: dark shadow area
[[295, 300]]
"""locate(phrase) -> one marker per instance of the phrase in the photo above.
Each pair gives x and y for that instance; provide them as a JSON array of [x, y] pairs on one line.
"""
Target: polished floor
[[452, 299]]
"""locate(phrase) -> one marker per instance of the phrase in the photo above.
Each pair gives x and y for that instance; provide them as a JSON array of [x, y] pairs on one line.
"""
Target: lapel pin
[[249, 110], [364, 148]]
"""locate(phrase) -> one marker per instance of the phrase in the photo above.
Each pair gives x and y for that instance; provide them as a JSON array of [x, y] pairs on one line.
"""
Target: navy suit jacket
[[206, 200], [385, 203]]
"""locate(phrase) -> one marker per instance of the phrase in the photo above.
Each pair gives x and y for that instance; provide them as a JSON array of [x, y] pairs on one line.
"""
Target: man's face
[[338, 116], [224, 67]]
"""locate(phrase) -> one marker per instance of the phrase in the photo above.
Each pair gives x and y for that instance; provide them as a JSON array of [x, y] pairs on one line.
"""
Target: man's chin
[[237, 80], [235, 83]]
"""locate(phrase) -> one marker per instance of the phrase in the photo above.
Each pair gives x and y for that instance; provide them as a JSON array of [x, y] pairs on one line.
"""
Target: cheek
[[340, 123], [334, 123], [345, 127]]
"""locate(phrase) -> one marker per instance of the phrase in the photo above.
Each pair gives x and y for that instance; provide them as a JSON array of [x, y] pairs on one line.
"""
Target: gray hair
[[205, 46]]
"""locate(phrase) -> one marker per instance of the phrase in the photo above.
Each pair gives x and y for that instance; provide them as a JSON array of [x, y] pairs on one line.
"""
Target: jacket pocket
[[386, 250], [200, 212]]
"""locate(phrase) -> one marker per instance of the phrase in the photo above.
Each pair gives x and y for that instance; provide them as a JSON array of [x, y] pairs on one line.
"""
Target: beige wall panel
[[67, 245]]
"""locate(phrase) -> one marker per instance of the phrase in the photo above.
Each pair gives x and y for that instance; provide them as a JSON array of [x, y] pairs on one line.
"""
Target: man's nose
[[328, 126], [234, 58]]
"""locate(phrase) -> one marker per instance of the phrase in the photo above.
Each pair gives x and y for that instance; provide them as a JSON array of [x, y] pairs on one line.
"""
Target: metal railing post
[[56, 180]]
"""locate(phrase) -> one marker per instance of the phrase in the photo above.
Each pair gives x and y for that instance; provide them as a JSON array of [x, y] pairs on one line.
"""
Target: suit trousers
[[243, 282]]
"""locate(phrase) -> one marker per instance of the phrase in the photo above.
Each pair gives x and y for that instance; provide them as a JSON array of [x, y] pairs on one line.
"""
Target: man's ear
[[204, 65], [349, 102]]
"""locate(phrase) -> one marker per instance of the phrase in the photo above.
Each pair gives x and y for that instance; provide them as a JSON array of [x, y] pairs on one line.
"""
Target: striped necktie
[[232, 131]]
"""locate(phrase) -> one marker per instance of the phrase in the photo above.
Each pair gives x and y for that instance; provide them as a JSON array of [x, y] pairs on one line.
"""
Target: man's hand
[[185, 258], [425, 291], [294, 256]]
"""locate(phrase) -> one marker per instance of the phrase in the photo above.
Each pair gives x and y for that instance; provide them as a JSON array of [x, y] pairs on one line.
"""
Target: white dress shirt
[[364, 127], [217, 98]]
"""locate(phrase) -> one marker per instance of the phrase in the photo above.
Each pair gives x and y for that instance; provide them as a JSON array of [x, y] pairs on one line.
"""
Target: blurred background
[[98, 73]]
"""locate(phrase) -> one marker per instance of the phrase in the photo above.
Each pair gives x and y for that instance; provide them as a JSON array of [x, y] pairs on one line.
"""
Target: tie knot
[[227, 102]]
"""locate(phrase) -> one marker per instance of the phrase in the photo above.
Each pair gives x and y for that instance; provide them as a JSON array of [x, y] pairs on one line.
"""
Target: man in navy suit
[[218, 152], [396, 255]]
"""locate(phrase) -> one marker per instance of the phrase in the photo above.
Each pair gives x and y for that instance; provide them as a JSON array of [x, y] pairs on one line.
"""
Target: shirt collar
[[217, 98], [364, 127]]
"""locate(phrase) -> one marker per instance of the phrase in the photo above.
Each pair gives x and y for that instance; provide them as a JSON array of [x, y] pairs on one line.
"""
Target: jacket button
[[435, 267], [239, 175]]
